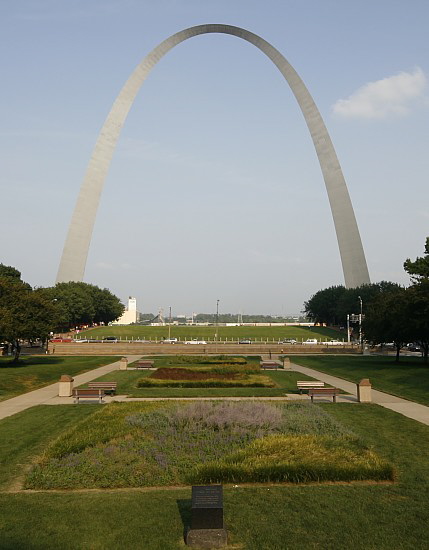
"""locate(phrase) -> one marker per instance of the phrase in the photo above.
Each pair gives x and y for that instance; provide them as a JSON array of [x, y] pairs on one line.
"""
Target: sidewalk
[[397, 404], [45, 396]]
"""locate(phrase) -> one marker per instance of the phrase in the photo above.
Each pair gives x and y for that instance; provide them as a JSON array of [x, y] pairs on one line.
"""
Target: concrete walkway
[[397, 404], [49, 394]]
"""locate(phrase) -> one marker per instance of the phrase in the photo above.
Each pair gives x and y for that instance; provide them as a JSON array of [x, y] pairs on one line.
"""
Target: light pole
[[169, 326], [360, 322], [217, 320]]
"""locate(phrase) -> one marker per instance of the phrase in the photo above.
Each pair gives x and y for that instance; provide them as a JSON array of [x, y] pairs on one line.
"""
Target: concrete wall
[[138, 348]]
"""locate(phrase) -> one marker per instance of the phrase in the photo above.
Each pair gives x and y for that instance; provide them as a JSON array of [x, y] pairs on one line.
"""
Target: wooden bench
[[88, 394], [107, 387], [144, 364], [309, 384], [269, 364], [324, 392]]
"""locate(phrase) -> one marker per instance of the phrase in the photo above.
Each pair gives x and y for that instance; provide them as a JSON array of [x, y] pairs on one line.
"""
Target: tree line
[[391, 312], [31, 314]]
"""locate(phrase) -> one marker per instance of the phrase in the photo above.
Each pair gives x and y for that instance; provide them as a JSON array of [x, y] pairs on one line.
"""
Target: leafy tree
[[350, 300], [80, 304], [418, 315], [386, 319], [9, 272], [419, 269], [323, 306], [24, 314]]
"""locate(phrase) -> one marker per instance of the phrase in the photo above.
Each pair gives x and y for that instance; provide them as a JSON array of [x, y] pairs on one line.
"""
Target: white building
[[130, 314]]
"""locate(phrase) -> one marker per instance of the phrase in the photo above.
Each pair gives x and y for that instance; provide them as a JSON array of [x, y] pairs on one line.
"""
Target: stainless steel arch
[[73, 261]]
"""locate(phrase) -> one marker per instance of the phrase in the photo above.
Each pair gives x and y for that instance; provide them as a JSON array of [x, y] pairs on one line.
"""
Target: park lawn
[[26, 434], [271, 333], [35, 371], [408, 379], [127, 385], [270, 517]]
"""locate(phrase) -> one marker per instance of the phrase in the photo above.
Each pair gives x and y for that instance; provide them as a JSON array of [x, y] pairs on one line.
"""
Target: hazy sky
[[215, 191]]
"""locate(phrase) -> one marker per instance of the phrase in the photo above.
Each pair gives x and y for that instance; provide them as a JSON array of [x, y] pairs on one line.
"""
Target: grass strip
[[36, 371], [408, 379]]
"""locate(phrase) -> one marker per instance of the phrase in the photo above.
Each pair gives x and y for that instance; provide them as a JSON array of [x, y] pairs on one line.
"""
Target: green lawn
[[357, 516], [408, 379], [36, 371], [271, 334]]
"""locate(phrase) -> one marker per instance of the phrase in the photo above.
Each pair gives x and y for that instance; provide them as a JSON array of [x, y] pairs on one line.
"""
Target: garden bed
[[155, 444], [197, 377]]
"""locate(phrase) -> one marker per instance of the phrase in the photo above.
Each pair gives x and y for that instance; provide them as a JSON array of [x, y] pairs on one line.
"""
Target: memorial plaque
[[207, 507]]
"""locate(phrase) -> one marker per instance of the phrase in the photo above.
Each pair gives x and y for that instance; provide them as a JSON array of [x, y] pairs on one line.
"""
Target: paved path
[[397, 404], [49, 394]]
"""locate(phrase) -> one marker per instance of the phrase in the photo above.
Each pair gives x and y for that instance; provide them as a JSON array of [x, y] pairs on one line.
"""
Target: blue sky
[[214, 191]]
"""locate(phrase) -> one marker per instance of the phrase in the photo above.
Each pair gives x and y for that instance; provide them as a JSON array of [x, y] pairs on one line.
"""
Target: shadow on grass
[[28, 361], [184, 506]]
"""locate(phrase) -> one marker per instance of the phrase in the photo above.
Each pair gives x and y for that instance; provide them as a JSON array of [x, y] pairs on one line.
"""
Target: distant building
[[130, 314]]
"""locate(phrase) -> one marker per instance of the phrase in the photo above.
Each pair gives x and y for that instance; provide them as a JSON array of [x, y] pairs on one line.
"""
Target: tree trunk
[[398, 350], [16, 348]]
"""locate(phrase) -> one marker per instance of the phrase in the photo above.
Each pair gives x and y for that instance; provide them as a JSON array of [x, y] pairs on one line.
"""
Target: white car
[[334, 343], [310, 341], [195, 342], [169, 341]]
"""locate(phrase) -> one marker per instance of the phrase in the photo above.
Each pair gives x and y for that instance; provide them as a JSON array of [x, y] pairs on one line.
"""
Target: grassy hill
[[272, 333]]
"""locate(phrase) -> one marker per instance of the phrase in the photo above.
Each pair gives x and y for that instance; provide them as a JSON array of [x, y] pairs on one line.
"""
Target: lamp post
[[217, 321], [360, 322], [169, 326]]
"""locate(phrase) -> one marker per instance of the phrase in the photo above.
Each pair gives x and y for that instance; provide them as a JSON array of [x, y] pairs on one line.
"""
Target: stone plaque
[[207, 507]]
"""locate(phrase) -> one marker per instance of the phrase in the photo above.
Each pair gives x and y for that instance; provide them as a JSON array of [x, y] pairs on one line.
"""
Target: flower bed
[[153, 444], [223, 377]]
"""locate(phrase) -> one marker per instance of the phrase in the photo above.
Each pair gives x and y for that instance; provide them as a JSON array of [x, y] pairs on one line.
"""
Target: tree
[[323, 306], [9, 272], [83, 304], [386, 319], [24, 314], [418, 315], [419, 269]]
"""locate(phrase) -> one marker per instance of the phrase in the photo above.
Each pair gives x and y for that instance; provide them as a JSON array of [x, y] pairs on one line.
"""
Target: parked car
[[195, 342], [80, 340], [110, 339], [169, 341], [334, 343], [414, 347], [310, 341], [61, 340], [245, 341], [288, 341]]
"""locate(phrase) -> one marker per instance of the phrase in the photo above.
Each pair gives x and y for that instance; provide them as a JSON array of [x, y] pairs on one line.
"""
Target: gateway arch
[[73, 260]]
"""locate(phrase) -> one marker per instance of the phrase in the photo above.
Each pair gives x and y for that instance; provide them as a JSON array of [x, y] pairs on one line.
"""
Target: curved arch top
[[73, 261]]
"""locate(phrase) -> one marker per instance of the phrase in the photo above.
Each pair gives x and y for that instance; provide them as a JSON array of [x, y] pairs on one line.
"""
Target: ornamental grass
[[154, 444]]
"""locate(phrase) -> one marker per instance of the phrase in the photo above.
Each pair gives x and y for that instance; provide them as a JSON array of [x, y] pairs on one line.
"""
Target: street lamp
[[217, 321], [360, 322]]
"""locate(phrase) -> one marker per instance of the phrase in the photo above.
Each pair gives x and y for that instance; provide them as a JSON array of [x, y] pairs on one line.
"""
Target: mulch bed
[[188, 374]]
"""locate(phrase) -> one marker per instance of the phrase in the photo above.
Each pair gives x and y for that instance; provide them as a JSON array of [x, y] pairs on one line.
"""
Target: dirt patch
[[191, 374]]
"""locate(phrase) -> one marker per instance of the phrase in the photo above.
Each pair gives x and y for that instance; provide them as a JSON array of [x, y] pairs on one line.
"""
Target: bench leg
[[312, 397]]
